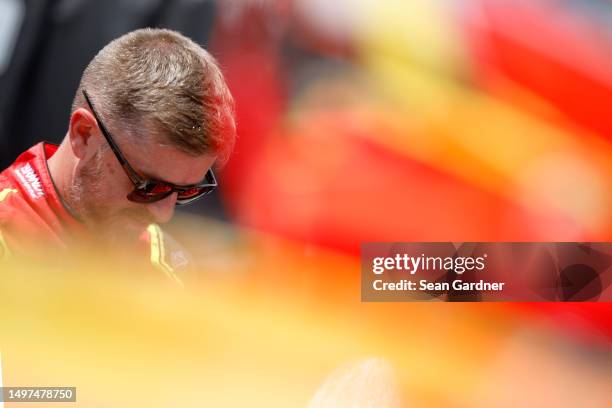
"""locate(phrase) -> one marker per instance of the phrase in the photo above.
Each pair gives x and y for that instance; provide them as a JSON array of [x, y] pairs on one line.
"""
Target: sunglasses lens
[[192, 194], [152, 193], [138, 196], [158, 189]]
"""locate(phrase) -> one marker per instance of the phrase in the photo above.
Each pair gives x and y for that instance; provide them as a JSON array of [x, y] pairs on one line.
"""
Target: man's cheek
[[117, 193], [116, 184]]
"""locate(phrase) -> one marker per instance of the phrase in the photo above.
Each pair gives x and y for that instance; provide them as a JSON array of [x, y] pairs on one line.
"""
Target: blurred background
[[364, 120]]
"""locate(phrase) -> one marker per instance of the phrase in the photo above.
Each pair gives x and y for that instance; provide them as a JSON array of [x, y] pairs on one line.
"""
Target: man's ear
[[82, 129]]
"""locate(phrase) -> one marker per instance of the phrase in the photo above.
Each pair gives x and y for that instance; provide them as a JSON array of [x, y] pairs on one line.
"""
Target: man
[[151, 116]]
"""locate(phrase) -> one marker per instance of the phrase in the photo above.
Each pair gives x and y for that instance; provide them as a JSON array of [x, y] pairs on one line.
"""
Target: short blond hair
[[159, 80]]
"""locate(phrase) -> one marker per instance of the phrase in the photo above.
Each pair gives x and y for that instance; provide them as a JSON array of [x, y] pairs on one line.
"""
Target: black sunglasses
[[149, 191]]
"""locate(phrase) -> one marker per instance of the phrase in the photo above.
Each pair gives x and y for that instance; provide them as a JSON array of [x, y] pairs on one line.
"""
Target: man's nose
[[163, 210]]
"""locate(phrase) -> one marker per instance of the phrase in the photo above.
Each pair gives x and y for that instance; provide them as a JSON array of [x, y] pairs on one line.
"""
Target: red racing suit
[[32, 211]]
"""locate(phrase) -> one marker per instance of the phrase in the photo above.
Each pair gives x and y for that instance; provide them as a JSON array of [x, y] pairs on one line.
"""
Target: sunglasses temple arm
[[124, 163]]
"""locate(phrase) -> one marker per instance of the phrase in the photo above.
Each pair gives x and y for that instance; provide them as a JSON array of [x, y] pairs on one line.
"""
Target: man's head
[[165, 102]]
